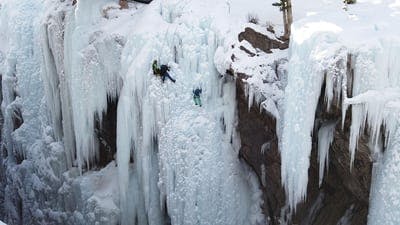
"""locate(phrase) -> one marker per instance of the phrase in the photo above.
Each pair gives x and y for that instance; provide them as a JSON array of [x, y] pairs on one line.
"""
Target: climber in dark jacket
[[164, 73], [196, 96]]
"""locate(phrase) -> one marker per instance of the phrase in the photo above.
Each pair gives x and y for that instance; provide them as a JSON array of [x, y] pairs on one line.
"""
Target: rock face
[[106, 131], [255, 131], [342, 198], [343, 194]]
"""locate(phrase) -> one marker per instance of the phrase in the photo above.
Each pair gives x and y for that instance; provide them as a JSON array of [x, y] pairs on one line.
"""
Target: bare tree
[[123, 4], [287, 18], [286, 8]]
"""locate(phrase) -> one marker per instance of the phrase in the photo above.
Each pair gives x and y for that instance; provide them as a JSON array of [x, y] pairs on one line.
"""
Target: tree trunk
[[287, 18], [123, 4]]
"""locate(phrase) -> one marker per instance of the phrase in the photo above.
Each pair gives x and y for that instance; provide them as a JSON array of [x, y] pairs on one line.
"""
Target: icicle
[[325, 138], [250, 94], [333, 78], [357, 126], [92, 66], [328, 91], [344, 98], [301, 97]]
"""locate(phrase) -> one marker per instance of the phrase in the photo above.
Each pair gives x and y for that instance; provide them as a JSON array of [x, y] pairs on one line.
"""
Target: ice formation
[[325, 138], [175, 162], [301, 97], [332, 52], [190, 156]]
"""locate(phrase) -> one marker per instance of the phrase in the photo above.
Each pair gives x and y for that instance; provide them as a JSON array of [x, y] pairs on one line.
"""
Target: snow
[[99, 188]]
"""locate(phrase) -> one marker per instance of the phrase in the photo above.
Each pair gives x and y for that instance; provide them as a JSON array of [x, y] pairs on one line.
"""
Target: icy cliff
[[91, 136], [338, 60], [63, 66]]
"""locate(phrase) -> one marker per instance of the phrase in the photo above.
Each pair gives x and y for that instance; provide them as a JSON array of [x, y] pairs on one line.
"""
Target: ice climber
[[163, 71], [156, 70], [196, 96]]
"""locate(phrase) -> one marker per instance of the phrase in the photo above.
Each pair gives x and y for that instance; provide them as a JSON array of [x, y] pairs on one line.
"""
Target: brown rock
[[261, 41], [256, 129], [106, 131]]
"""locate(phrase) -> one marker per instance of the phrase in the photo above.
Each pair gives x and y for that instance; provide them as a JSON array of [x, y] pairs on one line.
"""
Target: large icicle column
[[306, 74], [91, 61]]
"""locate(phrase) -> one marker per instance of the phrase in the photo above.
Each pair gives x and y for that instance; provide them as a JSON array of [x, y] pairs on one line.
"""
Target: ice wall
[[56, 85], [192, 148], [174, 159], [27, 91], [37, 187], [91, 70], [25, 146]]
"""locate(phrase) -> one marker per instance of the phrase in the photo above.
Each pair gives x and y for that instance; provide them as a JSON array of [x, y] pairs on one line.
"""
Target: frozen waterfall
[[175, 162]]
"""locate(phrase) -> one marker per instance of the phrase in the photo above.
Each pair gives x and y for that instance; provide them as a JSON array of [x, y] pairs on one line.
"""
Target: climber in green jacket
[[156, 69]]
